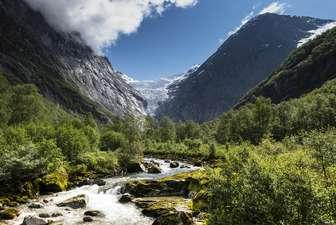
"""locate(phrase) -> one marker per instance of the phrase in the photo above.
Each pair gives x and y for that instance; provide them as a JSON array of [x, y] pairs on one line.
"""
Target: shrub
[[111, 141]]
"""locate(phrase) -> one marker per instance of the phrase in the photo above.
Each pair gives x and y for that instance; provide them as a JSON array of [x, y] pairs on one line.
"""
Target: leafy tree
[[111, 141], [167, 130]]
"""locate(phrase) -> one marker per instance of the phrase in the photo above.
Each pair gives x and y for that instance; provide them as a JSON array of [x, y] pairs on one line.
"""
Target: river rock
[[36, 205], [185, 167], [94, 213], [134, 167], [99, 182], [58, 214], [172, 218], [44, 215], [87, 219], [154, 169], [174, 164], [157, 206], [198, 163], [9, 214], [74, 203], [30, 220], [125, 198]]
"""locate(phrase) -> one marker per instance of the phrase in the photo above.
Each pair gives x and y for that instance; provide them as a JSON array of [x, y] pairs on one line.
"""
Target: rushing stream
[[104, 199]]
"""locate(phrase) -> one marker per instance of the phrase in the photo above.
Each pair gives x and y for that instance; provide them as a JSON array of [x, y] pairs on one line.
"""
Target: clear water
[[104, 199]]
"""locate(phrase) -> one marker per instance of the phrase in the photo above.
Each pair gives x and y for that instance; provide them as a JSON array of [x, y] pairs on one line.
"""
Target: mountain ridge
[[245, 59], [61, 65], [306, 69]]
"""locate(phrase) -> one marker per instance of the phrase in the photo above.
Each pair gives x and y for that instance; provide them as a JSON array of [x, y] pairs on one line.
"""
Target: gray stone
[[174, 165], [87, 219], [36, 205], [30, 220], [94, 213], [125, 198], [77, 202]]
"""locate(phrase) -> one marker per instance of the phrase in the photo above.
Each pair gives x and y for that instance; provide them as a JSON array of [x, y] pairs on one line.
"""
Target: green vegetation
[[271, 164], [43, 148], [268, 164]]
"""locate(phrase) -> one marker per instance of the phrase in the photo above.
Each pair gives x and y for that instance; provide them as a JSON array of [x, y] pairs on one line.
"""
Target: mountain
[[306, 69], [61, 65], [244, 59], [156, 91]]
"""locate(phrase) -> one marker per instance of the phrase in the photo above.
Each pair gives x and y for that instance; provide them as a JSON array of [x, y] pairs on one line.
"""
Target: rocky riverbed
[[160, 195]]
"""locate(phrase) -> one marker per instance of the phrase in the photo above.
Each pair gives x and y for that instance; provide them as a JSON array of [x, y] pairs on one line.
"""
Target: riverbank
[[105, 199]]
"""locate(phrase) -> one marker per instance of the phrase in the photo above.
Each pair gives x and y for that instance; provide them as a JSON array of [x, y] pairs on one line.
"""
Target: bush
[[72, 142], [101, 162], [111, 141]]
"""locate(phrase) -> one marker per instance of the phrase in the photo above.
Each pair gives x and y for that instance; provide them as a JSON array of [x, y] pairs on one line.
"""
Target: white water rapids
[[104, 199]]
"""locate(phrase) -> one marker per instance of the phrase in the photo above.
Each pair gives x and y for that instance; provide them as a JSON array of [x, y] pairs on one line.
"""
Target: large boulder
[[150, 188], [9, 214], [30, 220], [134, 167], [178, 185], [173, 218], [152, 167], [157, 206], [57, 181], [78, 202]]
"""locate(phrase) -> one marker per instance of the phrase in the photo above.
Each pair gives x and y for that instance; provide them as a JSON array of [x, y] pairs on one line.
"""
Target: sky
[[179, 38], [149, 39]]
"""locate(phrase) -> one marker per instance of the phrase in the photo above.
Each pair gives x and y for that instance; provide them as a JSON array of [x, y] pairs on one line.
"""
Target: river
[[104, 199]]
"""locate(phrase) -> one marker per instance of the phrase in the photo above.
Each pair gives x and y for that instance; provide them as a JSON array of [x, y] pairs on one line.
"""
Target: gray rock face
[[63, 67], [30, 220], [245, 59], [77, 202]]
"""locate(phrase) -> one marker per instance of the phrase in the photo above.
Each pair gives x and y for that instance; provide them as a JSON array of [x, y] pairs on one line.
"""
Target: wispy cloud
[[101, 22], [274, 7], [242, 23]]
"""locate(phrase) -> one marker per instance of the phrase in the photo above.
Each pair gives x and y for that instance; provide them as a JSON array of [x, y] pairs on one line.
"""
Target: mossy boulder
[[157, 206], [55, 182], [179, 185], [173, 218], [151, 188], [9, 214]]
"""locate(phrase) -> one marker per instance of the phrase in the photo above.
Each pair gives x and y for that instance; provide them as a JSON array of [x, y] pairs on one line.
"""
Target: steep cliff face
[[245, 59], [306, 69], [63, 67]]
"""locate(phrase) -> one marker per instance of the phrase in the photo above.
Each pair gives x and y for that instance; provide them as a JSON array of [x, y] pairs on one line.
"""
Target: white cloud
[[101, 22], [315, 33], [242, 23], [274, 7]]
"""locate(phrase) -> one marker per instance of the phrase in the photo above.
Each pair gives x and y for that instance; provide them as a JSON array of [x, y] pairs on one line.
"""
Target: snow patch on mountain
[[315, 33], [156, 91]]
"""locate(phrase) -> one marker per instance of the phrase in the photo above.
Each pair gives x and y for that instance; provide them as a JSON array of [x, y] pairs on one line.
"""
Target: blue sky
[[172, 42]]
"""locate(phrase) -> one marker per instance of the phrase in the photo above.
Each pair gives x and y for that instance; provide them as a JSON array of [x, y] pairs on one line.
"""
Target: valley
[[246, 138]]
